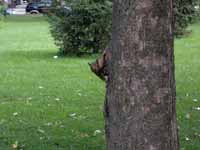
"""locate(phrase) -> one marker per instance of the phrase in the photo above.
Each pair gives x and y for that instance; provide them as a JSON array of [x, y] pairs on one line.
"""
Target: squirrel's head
[[98, 67]]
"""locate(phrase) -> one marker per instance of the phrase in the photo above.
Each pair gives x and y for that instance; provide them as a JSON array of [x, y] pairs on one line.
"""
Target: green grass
[[38, 94], [26, 65], [187, 53]]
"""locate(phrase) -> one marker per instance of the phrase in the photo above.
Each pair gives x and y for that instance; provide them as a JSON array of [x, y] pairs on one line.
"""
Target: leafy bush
[[85, 26], [197, 9], [82, 27], [185, 12], [2, 13]]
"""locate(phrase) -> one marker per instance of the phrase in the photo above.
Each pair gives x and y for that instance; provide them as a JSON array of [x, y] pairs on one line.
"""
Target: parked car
[[15, 11], [36, 8]]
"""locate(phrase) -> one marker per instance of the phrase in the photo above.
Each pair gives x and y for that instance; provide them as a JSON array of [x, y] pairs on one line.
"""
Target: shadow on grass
[[25, 18], [32, 54], [45, 54]]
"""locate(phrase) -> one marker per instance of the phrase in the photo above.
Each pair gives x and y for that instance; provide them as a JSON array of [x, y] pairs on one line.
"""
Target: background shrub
[[185, 11], [81, 27], [2, 12], [84, 27]]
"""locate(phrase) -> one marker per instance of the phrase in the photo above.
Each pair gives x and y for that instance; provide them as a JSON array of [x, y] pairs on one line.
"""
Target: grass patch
[[188, 88], [48, 103], [38, 93]]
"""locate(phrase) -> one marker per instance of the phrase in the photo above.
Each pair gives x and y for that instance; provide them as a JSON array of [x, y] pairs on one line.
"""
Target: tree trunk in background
[[140, 111]]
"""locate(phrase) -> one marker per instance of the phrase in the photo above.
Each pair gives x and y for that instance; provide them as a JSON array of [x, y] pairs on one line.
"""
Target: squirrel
[[100, 66]]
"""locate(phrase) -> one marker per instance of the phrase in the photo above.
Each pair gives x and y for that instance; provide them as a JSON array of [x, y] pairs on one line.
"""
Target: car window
[[48, 4], [41, 5], [32, 5]]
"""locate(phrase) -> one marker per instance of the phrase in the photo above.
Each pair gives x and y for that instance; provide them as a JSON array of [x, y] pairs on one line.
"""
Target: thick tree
[[140, 109]]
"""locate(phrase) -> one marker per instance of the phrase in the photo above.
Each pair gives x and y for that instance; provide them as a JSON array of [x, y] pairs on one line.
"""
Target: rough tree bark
[[140, 104]]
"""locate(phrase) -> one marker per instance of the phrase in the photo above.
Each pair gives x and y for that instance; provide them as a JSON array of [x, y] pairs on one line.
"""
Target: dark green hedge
[[82, 28], [85, 27], [2, 11], [185, 12]]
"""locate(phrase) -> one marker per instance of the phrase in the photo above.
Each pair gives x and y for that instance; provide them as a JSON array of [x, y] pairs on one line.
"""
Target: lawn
[[56, 104]]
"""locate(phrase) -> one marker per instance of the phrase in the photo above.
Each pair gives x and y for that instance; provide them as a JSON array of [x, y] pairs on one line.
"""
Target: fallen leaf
[[72, 115], [196, 108], [197, 135], [83, 135], [187, 139], [97, 132], [187, 116], [40, 87], [195, 100], [15, 113], [57, 99], [15, 145], [49, 124], [41, 131]]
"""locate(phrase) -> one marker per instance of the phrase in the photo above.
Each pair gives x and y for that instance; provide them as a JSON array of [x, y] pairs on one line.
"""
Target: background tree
[[140, 107]]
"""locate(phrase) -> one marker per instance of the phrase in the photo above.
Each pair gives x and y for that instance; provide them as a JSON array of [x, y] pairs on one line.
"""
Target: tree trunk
[[140, 111]]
